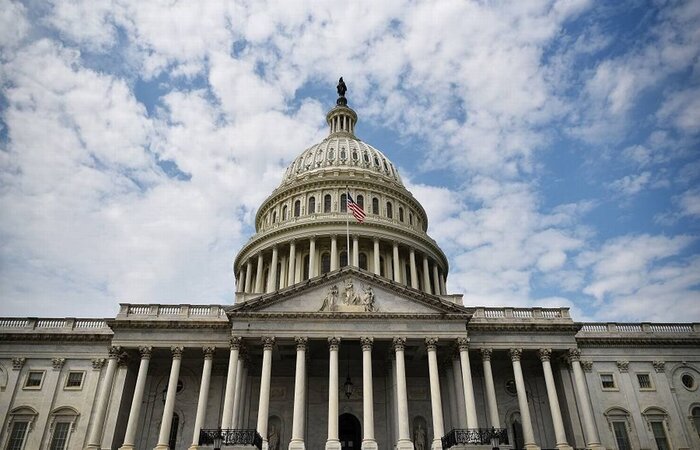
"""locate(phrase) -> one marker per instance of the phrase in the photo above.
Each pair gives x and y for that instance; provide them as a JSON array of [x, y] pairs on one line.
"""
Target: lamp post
[[348, 383]]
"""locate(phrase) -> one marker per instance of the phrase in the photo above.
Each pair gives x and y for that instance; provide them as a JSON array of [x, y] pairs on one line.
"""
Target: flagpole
[[347, 222]]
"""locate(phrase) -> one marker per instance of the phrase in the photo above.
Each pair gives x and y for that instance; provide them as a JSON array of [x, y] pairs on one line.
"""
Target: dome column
[[426, 275], [259, 275], [248, 275], [414, 271], [397, 263], [334, 253], [443, 288], [292, 258], [272, 277], [312, 258], [436, 279], [355, 251], [375, 255]]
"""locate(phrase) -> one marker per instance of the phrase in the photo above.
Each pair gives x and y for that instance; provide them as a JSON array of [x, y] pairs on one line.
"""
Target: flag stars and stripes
[[355, 209]]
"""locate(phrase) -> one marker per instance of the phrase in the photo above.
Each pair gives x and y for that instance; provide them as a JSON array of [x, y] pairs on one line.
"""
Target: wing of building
[[343, 336]]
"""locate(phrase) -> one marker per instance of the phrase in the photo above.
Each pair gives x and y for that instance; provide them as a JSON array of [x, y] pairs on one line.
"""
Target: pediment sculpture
[[351, 301]]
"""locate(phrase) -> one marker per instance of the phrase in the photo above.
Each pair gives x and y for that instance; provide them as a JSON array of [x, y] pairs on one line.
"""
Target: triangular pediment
[[352, 291]]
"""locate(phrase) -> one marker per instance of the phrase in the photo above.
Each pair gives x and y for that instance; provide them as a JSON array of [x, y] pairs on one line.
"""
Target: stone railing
[[52, 325], [171, 312], [488, 314], [643, 328]]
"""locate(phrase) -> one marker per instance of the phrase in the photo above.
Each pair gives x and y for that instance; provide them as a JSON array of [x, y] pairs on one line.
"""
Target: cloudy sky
[[554, 144]]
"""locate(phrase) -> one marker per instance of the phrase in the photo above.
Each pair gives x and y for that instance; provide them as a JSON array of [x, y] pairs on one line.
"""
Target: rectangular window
[[660, 435], [74, 380], [17, 435], [621, 437], [34, 379], [644, 381], [60, 436], [607, 380]]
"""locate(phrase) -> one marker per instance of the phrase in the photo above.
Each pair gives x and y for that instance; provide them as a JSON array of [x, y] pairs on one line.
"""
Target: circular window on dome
[[688, 381], [510, 387]]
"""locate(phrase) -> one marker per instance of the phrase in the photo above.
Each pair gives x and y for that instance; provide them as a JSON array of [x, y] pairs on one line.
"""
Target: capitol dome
[[304, 229]]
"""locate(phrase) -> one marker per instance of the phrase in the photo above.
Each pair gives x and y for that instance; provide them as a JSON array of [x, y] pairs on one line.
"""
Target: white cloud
[[632, 184], [13, 26]]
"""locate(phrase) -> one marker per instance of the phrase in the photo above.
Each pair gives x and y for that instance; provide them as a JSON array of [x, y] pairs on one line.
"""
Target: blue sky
[[554, 144]]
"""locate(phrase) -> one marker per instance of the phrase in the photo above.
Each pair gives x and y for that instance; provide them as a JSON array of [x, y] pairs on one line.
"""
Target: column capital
[[659, 366], [515, 354], [486, 354], [57, 363], [587, 365], [208, 352], [544, 354], [431, 343], [18, 362], [623, 366], [366, 343], [574, 354], [145, 351], [333, 343], [267, 342], [97, 363], [114, 351], [177, 351], [235, 343], [398, 343], [301, 342], [462, 343]]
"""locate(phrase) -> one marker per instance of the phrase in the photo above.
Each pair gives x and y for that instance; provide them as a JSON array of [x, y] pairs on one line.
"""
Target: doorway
[[349, 432]]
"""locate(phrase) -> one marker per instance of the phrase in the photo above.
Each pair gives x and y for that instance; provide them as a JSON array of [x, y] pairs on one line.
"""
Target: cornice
[[631, 341], [513, 326], [118, 324], [346, 315], [54, 337]]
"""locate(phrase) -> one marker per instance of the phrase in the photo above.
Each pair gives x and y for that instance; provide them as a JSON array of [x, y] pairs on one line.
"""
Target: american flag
[[356, 210]]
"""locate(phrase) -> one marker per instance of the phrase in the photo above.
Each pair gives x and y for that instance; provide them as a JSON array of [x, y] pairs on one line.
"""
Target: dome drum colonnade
[[459, 391], [301, 227]]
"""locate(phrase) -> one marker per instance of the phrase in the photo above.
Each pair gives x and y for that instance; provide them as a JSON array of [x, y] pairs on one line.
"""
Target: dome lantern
[[341, 119]]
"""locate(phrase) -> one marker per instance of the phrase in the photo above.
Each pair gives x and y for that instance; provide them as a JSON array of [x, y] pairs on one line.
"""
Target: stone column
[[203, 396], [459, 391], [528, 433], [312, 258], [284, 262], [435, 397], [292, 259], [238, 395], [426, 276], [414, 270], [397, 263], [368, 442], [443, 287], [355, 251], [463, 346], [490, 388], [94, 440], [137, 399], [334, 253], [264, 402], [272, 277], [235, 346], [259, 275], [436, 279], [557, 421], [404, 442], [589, 429], [375, 255], [166, 421], [238, 420], [297, 442], [248, 275], [333, 443], [449, 389]]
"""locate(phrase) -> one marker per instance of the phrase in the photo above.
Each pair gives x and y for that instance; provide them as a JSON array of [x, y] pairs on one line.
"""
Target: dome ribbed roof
[[341, 151]]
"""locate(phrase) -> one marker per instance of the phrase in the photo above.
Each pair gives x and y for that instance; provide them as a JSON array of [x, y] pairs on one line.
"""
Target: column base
[[161, 447], [333, 444], [369, 444], [297, 445], [92, 447], [564, 446], [127, 447], [404, 444], [532, 447], [436, 445], [595, 446]]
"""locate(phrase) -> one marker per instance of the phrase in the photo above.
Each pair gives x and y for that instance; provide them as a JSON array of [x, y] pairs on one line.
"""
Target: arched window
[[619, 422], [62, 423], [297, 208], [325, 263], [343, 259], [20, 422], [305, 268], [284, 212], [656, 419], [343, 203], [361, 201], [363, 261], [389, 210], [274, 216], [401, 214], [343, 154], [311, 208], [375, 206], [327, 203], [382, 272]]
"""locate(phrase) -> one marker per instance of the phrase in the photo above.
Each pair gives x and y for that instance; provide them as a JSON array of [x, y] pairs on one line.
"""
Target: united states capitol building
[[343, 336]]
